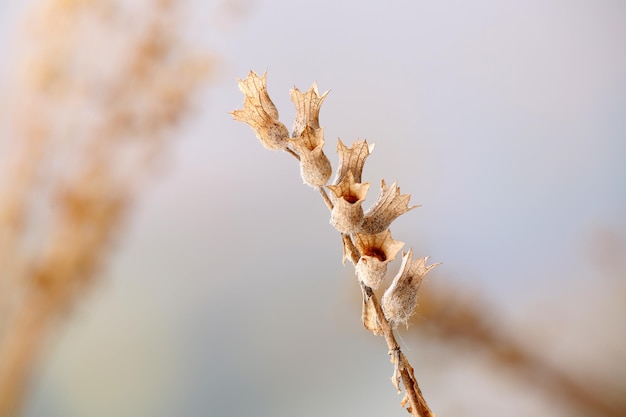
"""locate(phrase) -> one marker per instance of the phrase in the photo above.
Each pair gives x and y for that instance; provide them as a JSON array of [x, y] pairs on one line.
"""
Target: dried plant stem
[[292, 153], [418, 406], [324, 194]]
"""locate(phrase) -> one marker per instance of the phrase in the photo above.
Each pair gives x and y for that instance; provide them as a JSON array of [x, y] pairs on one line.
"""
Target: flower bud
[[260, 113], [400, 299], [347, 212], [376, 252]]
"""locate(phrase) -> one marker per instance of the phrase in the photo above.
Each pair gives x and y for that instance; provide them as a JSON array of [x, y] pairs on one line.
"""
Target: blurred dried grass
[[95, 96], [469, 323]]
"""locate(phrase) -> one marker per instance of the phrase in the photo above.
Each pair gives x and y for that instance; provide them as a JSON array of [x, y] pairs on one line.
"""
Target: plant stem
[[329, 203], [292, 153], [418, 406]]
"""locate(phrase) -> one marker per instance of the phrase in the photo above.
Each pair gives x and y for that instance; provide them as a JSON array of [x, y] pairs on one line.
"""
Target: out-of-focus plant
[[96, 93], [466, 322]]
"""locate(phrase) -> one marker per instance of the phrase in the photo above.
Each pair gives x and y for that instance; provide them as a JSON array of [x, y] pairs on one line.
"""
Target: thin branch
[[418, 406], [324, 194], [292, 153]]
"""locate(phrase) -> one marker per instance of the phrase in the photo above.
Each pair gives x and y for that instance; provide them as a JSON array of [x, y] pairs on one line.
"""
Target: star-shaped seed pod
[[315, 168], [307, 108], [352, 159], [260, 113], [389, 206], [347, 212], [376, 252], [400, 299]]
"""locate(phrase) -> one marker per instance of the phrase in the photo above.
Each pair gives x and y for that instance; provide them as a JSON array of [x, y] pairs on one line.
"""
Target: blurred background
[[225, 294]]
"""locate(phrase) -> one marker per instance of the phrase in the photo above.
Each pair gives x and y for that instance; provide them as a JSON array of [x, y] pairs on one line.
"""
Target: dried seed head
[[315, 167], [389, 205], [376, 252], [400, 299], [260, 113], [307, 108], [352, 159], [347, 213]]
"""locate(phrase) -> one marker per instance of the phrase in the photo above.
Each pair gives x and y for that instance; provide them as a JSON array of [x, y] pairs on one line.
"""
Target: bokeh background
[[226, 295]]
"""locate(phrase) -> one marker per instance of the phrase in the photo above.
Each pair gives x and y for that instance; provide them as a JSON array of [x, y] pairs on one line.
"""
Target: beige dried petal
[[352, 159], [400, 299], [315, 167], [260, 113], [397, 376], [347, 213], [307, 108], [349, 250], [368, 316], [389, 205], [376, 252]]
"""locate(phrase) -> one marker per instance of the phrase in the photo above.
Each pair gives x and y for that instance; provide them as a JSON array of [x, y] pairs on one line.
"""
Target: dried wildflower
[[400, 299], [307, 108], [376, 252], [315, 167], [260, 113], [389, 206], [347, 213], [366, 239], [352, 159]]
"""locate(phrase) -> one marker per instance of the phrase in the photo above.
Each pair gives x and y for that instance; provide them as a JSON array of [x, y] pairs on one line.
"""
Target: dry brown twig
[[366, 237]]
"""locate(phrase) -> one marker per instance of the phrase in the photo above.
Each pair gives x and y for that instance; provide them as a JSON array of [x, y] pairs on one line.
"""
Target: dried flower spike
[[376, 252], [260, 113], [347, 213], [315, 167], [307, 108], [389, 206], [366, 238], [400, 299]]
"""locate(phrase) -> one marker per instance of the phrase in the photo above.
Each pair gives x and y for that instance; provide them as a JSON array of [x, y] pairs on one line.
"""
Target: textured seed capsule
[[400, 299]]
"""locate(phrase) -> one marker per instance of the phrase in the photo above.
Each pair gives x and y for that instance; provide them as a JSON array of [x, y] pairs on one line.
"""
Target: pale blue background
[[227, 297]]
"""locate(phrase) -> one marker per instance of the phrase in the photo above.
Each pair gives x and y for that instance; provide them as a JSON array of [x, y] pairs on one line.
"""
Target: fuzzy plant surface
[[365, 234]]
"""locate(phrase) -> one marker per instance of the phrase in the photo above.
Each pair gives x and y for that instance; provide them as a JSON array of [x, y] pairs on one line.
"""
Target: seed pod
[[307, 109], [315, 168], [376, 252], [260, 113], [352, 159], [347, 213], [400, 299], [389, 206]]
